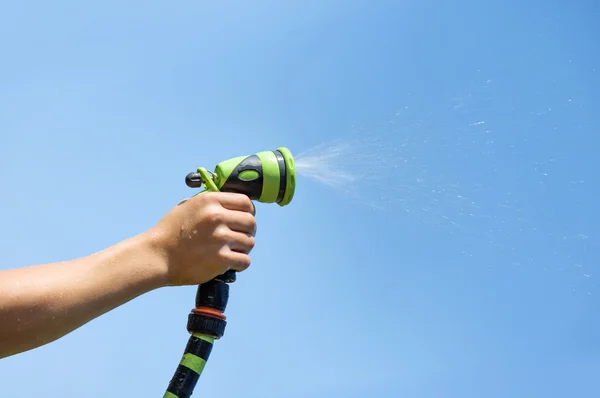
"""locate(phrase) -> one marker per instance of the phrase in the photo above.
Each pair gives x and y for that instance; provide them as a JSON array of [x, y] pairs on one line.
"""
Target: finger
[[242, 222], [241, 243], [239, 261], [236, 201]]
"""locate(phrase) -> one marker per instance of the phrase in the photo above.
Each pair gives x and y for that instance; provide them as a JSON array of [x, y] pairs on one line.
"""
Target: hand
[[205, 236]]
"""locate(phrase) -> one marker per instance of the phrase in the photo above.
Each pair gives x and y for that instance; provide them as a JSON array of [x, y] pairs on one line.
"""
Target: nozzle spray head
[[268, 177]]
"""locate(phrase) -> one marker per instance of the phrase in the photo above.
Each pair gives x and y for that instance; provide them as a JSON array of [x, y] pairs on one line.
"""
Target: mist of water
[[328, 165], [358, 168], [443, 168]]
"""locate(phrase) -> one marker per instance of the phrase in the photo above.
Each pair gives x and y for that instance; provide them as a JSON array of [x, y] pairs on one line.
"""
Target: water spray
[[267, 177]]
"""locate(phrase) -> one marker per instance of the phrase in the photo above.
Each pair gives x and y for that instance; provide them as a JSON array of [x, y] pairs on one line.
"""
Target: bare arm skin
[[193, 243], [42, 303]]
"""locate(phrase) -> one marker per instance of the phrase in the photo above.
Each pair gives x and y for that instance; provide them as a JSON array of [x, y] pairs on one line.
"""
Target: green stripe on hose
[[198, 347], [190, 367], [208, 339], [193, 362]]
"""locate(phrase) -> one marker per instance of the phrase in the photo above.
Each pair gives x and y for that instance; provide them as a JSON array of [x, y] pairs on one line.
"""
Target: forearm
[[42, 303]]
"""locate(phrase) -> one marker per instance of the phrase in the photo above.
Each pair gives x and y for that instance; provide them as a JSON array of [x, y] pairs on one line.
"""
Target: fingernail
[[182, 201]]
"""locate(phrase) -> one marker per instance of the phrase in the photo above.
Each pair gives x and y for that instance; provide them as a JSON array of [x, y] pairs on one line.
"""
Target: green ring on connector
[[290, 174]]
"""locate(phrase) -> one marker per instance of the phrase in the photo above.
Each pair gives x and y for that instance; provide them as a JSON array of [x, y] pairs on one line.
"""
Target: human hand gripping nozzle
[[267, 177]]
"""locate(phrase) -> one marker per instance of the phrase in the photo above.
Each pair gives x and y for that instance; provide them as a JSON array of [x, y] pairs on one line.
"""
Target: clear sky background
[[464, 265]]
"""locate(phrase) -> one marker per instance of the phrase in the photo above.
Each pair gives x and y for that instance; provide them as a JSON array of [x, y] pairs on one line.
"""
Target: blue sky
[[477, 274]]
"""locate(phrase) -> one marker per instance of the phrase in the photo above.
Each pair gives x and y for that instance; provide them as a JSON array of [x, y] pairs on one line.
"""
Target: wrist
[[151, 260]]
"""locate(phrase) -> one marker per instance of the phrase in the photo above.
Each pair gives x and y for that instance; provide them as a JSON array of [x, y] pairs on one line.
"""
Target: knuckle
[[221, 234], [252, 207], [251, 221], [245, 262], [207, 199], [223, 258], [214, 214], [210, 196], [203, 198], [247, 203]]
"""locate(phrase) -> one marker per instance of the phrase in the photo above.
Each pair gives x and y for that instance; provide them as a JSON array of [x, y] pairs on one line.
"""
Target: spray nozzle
[[268, 177]]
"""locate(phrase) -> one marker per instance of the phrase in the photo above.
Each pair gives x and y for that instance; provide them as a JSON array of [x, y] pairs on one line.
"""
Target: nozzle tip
[[290, 175]]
